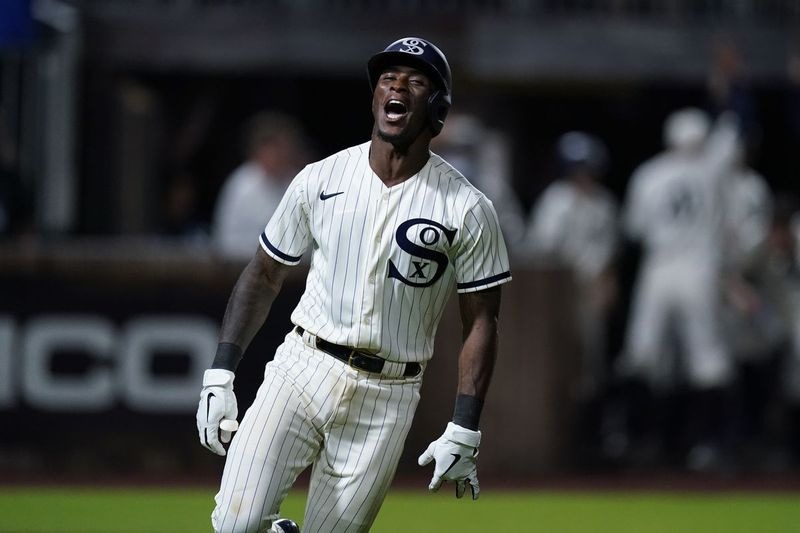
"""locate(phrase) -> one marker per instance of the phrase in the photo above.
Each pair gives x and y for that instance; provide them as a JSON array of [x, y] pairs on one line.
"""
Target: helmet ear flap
[[438, 106]]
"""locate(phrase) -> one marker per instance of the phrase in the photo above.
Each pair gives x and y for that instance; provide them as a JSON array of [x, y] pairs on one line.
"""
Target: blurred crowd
[[706, 371], [705, 374]]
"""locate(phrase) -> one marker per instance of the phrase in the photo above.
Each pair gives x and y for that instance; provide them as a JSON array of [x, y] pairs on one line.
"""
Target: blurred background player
[[675, 208], [275, 153], [575, 224], [785, 265], [753, 324], [484, 156]]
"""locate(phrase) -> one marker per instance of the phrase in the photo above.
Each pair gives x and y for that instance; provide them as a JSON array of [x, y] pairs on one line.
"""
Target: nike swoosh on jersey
[[323, 196], [456, 458]]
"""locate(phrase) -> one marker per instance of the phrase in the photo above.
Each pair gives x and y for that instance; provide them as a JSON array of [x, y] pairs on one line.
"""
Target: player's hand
[[217, 408], [455, 454]]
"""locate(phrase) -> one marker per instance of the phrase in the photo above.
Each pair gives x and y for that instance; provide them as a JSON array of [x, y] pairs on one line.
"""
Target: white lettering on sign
[[145, 337], [46, 336], [119, 367]]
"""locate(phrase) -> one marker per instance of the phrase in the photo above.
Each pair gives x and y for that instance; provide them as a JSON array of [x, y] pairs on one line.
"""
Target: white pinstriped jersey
[[384, 259]]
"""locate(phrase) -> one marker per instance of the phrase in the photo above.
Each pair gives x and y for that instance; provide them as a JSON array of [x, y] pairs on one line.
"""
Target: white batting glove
[[455, 454], [217, 411]]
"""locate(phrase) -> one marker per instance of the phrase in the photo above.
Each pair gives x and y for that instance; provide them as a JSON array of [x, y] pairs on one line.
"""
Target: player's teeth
[[397, 107]]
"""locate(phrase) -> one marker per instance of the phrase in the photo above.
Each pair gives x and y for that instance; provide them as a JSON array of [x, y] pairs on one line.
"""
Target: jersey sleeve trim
[[277, 254], [491, 281]]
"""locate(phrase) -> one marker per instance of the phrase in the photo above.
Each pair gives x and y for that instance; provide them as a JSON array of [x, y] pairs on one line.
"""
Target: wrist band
[[227, 357], [467, 412]]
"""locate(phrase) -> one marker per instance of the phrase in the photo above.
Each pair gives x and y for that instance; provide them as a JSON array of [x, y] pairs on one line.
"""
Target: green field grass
[[111, 510]]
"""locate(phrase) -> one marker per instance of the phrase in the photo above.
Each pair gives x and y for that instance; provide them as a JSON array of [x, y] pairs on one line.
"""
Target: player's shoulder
[[461, 199], [453, 181], [559, 196], [754, 178], [358, 150], [242, 181], [654, 171], [244, 174], [656, 164], [317, 174], [559, 188], [748, 181]]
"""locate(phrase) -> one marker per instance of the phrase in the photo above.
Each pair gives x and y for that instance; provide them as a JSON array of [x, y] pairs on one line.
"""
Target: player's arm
[[723, 146], [248, 306], [479, 314], [455, 452]]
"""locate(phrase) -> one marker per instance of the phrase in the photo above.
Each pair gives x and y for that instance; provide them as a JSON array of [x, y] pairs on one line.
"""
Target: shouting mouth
[[395, 110]]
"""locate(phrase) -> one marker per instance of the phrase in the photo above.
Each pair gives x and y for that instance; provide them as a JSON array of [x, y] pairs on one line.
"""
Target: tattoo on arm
[[250, 301]]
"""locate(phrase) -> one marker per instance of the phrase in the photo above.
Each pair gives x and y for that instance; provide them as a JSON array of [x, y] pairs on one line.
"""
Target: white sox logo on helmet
[[414, 46]]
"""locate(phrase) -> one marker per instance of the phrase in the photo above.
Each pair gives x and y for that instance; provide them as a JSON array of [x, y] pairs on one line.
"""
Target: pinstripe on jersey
[[384, 259]]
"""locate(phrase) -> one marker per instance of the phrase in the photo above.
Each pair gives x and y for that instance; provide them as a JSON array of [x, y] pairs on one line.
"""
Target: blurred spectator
[[750, 327], [275, 153], [675, 206], [483, 155], [748, 215], [785, 242], [753, 324], [771, 418], [575, 224]]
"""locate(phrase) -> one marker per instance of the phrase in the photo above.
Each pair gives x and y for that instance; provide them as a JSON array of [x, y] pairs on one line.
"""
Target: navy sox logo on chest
[[422, 273]]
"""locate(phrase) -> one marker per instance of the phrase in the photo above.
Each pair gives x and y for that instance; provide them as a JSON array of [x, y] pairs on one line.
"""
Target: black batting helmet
[[426, 57]]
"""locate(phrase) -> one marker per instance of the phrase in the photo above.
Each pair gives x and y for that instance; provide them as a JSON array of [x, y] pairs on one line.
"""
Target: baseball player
[[751, 326], [675, 206], [574, 223], [252, 192], [391, 228]]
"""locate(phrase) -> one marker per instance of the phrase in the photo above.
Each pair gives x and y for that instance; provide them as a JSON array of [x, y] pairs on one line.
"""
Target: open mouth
[[395, 110]]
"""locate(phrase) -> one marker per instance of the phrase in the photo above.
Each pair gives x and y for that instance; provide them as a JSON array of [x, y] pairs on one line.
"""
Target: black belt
[[359, 360]]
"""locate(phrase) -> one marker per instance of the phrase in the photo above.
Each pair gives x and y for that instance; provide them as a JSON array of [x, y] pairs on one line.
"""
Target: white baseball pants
[[313, 409], [685, 293]]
